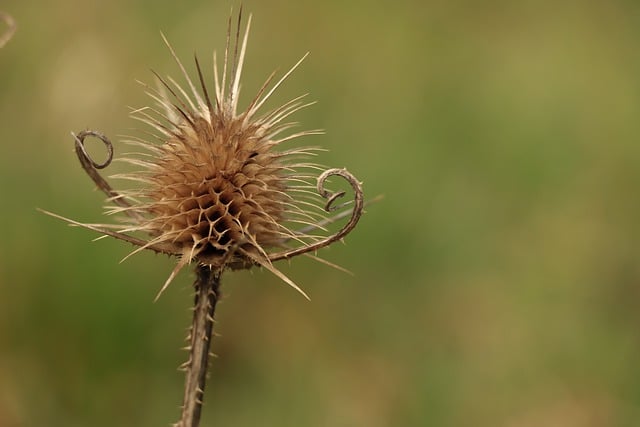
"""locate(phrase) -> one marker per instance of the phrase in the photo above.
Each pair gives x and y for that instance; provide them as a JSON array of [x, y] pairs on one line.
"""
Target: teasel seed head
[[216, 186]]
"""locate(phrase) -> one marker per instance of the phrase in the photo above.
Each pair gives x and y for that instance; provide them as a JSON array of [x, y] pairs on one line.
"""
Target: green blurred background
[[497, 284]]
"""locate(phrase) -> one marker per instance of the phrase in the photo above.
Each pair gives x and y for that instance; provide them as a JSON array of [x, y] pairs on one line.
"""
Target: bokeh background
[[497, 284]]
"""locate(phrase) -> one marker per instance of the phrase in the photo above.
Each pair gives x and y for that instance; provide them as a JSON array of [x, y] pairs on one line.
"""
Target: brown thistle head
[[217, 186]]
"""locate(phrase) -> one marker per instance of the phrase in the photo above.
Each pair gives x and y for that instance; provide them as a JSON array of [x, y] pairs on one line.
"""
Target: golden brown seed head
[[215, 186], [218, 187]]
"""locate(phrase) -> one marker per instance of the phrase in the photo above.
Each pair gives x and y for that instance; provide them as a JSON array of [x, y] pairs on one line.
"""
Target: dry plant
[[215, 188], [10, 30]]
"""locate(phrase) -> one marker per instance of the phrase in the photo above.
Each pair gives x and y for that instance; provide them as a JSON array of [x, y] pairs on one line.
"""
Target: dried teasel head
[[216, 186]]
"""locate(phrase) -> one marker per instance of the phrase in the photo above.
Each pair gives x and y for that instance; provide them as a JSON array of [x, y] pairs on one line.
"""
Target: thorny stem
[[207, 286]]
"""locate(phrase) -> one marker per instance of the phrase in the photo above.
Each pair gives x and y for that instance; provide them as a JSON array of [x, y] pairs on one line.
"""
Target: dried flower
[[217, 188]]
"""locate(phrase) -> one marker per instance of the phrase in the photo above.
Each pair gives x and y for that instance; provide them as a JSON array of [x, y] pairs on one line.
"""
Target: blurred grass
[[497, 284]]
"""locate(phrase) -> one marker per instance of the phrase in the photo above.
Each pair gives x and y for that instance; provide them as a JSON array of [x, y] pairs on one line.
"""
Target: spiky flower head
[[216, 186]]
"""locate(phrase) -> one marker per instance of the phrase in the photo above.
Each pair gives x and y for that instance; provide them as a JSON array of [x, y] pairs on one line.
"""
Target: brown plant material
[[10, 30], [217, 188]]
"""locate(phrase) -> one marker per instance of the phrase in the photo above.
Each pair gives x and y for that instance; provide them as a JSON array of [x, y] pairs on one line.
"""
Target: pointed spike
[[203, 86], [186, 76], [240, 63], [282, 79], [183, 261], [267, 264]]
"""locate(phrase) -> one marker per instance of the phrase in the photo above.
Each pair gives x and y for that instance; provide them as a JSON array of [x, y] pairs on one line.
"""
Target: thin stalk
[[207, 293]]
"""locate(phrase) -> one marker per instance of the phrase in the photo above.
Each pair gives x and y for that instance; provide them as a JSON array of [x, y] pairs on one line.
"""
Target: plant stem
[[207, 293]]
